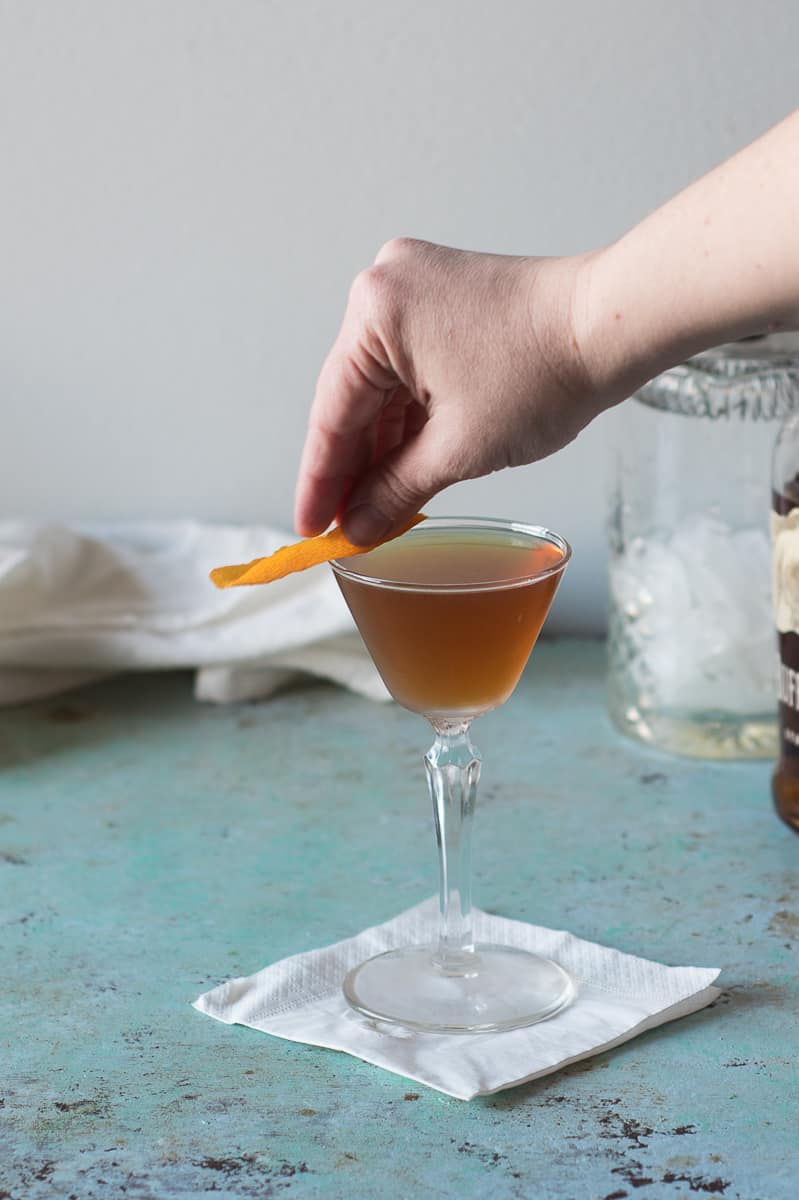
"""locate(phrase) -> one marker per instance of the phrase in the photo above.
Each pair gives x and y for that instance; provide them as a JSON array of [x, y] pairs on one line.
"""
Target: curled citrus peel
[[298, 557]]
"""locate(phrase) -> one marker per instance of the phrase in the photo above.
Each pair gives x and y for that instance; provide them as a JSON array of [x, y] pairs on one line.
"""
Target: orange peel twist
[[299, 556]]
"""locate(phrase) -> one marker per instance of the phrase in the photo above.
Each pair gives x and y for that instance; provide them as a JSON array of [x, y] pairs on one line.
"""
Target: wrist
[[555, 296], [620, 347], [636, 314]]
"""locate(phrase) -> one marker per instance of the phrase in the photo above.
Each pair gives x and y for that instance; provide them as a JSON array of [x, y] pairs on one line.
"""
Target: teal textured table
[[151, 847]]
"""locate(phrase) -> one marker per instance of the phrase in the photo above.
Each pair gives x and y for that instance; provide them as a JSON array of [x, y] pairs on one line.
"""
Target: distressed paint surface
[[151, 847]]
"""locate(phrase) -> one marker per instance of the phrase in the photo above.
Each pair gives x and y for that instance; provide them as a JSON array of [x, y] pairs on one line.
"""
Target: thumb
[[394, 490]]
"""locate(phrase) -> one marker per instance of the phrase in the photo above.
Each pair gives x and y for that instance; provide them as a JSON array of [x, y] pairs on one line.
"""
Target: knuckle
[[371, 289], [396, 248]]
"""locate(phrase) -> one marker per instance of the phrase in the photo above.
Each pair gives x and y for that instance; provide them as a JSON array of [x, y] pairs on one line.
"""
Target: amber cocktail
[[450, 612]]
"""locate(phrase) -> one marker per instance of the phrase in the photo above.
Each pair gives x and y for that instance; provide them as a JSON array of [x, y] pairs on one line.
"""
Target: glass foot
[[491, 989]]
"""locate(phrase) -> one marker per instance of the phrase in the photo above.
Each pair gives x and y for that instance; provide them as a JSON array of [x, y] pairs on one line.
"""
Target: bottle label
[[785, 545]]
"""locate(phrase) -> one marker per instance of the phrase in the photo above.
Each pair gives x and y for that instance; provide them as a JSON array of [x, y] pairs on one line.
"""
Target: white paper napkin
[[619, 996], [86, 600]]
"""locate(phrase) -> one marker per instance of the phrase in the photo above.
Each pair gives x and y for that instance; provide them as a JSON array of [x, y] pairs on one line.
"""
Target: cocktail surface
[[450, 615]]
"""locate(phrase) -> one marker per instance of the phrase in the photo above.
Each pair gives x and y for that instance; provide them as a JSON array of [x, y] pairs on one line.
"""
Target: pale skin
[[450, 365]]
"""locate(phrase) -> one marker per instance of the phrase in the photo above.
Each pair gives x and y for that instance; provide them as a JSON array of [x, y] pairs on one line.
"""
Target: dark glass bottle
[[785, 537]]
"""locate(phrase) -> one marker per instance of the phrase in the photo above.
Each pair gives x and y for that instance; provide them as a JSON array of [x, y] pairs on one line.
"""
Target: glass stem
[[453, 770]]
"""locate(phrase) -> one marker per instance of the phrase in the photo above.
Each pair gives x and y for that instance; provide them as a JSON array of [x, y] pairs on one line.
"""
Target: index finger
[[352, 390]]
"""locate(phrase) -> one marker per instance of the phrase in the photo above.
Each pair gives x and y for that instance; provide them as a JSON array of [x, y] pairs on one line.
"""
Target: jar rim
[[756, 379]]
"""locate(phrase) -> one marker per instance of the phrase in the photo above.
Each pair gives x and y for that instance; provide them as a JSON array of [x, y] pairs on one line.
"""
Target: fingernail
[[364, 524]]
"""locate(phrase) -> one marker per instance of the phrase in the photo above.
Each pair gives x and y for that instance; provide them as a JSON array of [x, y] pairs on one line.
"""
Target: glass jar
[[691, 626]]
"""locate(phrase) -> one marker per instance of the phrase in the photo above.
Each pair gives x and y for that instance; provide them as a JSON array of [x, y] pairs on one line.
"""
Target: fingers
[[362, 412], [394, 489], [356, 383], [393, 428], [339, 444], [330, 464]]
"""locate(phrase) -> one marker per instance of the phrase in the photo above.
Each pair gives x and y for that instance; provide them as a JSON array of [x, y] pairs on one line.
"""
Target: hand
[[451, 365], [448, 365]]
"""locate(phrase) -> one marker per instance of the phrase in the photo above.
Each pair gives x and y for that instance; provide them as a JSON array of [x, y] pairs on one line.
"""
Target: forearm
[[717, 262]]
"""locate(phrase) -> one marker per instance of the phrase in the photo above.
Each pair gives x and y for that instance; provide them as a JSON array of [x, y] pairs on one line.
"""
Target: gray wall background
[[188, 186]]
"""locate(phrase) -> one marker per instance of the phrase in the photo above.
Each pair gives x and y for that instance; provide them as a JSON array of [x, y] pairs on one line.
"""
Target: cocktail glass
[[449, 613]]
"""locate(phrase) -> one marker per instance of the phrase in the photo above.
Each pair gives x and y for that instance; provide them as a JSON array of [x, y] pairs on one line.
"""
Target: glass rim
[[477, 523]]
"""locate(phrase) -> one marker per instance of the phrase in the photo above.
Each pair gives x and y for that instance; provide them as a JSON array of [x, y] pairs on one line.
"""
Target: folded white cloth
[[85, 600], [619, 996]]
